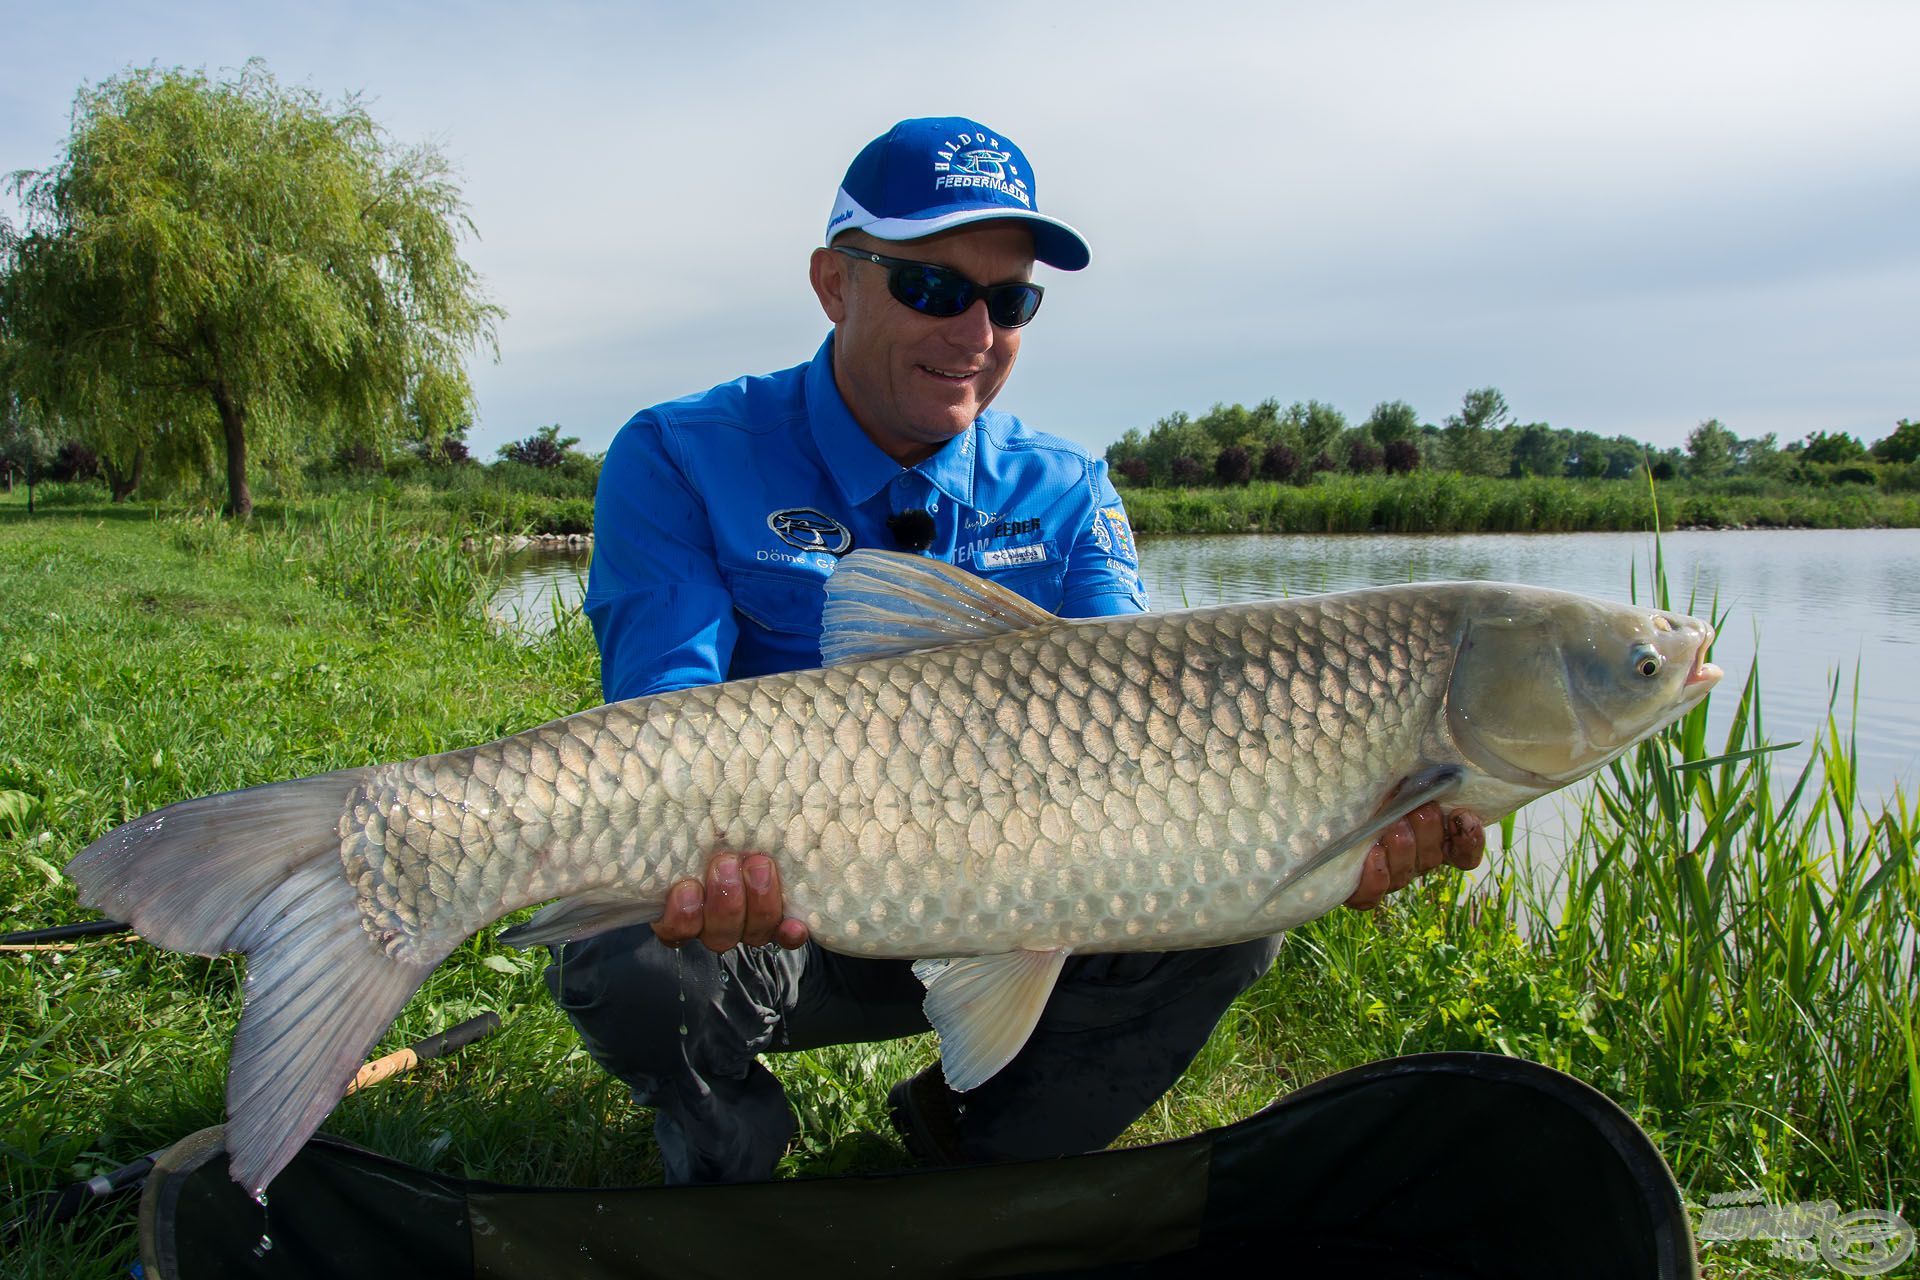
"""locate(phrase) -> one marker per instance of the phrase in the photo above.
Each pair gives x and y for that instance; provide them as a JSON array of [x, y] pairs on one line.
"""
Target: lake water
[[1813, 605]]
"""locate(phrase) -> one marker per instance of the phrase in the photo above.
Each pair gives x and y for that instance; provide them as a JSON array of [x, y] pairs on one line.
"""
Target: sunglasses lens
[[937, 291], [1012, 305], [930, 289]]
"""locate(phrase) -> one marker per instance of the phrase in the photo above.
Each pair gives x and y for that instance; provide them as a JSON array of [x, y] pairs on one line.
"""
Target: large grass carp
[[969, 780]]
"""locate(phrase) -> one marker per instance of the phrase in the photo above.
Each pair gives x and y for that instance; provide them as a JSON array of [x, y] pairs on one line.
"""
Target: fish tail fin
[[259, 871]]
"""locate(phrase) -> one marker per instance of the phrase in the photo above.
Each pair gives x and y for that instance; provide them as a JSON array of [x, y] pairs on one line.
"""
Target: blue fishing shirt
[[720, 516]]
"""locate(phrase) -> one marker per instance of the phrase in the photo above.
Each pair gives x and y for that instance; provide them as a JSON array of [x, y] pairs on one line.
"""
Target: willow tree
[[246, 261]]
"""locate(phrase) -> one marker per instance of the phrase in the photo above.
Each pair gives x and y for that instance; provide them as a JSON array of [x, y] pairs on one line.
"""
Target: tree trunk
[[233, 416], [121, 484]]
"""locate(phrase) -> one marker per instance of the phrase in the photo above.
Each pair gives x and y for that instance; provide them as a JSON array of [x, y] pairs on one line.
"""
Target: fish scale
[[968, 781], [1047, 787]]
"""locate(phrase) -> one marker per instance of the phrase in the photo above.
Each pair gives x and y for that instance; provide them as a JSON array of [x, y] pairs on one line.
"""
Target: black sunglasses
[[941, 291]]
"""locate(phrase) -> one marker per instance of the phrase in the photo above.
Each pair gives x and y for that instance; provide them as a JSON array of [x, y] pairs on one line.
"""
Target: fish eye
[[1646, 660]]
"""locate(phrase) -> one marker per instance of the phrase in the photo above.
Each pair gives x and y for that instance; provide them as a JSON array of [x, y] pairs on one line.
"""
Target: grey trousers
[[1117, 1032]]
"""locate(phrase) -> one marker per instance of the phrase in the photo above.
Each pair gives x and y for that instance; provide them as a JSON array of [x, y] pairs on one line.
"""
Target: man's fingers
[[1398, 843], [726, 908], [764, 905], [1466, 839], [1429, 830], [1374, 881], [680, 923]]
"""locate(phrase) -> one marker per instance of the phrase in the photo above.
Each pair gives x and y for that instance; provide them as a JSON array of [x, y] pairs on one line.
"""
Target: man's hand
[[1415, 845], [740, 902]]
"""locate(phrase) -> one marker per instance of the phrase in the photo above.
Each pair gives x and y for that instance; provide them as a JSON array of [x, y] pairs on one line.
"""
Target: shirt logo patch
[[1008, 557], [809, 530], [1115, 536]]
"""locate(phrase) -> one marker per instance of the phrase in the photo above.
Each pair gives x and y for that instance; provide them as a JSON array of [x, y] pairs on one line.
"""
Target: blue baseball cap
[[930, 175]]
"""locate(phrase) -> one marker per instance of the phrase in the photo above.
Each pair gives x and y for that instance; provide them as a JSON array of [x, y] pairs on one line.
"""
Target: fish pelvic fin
[[258, 871], [985, 1008], [582, 916], [881, 604]]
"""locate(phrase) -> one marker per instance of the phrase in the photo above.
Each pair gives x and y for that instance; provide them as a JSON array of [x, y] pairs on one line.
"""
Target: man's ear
[[827, 271]]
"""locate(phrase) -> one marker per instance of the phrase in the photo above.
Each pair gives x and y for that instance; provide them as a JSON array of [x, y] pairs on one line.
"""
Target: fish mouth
[[1702, 671]]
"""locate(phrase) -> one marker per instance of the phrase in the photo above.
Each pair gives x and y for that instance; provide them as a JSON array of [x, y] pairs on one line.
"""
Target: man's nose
[[971, 330]]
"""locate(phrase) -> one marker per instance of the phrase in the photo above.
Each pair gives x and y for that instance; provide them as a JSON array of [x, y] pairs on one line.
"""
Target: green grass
[[1446, 502], [1729, 954]]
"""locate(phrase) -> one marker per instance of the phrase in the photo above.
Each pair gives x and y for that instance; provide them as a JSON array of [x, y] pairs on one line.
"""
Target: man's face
[[915, 381]]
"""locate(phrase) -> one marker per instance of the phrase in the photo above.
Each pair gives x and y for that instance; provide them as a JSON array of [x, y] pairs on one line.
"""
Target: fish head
[[1549, 686]]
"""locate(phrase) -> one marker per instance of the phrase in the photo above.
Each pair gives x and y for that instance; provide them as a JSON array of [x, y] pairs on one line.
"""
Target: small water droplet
[[683, 1028], [260, 1198], [263, 1247]]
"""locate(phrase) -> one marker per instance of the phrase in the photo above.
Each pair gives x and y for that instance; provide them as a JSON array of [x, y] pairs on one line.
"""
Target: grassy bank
[[1730, 956], [1446, 502], [511, 498]]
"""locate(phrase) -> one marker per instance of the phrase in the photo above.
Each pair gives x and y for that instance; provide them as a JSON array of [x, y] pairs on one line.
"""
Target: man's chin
[[945, 421]]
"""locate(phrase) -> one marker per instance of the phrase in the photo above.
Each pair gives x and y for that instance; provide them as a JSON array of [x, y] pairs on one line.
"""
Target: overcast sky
[[1627, 217]]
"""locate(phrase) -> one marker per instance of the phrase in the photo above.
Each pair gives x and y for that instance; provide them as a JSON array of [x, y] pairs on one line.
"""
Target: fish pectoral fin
[[582, 916], [985, 1007], [881, 604], [1423, 786]]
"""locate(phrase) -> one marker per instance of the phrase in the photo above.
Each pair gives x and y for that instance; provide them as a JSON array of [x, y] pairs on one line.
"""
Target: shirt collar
[[859, 467]]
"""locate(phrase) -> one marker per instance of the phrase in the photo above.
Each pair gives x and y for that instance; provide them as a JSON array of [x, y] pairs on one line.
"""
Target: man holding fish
[[720, 518]]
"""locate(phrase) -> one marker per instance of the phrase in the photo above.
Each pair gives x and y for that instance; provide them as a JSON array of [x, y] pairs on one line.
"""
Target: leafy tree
[[1392, 420], [1135, 471], [1186, 470], [1760, 456], [250, 249], [1174, 437], [1473, 440], [1538, 450], [1710, 450], [1902, 446], [25, 448], [1278, 462], [73, 460], [545, 448], [1312, 426], [1832, 447], [1233, 466], [1586, 455], [1227, 425], [1130, 447], [1364, 457], [1401, 457]]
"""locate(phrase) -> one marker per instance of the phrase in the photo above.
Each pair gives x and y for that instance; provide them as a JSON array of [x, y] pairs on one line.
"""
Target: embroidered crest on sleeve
[[1115, 536]]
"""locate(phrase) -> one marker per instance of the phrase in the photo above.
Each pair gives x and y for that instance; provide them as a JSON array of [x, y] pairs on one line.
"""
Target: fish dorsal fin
[[985, 1007], [882, 603]]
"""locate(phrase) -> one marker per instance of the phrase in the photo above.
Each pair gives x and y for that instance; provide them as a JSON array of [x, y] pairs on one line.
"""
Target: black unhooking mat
[[1444, 1166]]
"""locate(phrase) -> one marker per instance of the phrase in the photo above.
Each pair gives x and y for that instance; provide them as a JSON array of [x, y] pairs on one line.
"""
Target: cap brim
[[1054, 242]]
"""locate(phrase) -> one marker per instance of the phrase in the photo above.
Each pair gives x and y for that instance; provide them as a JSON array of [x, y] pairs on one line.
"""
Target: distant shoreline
[[513, 518], [1446, 502]]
